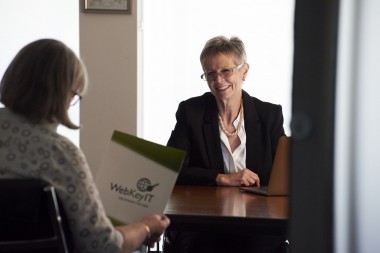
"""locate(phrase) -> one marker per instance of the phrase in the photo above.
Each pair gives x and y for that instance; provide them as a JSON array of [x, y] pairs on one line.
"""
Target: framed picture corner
[[106, 6]]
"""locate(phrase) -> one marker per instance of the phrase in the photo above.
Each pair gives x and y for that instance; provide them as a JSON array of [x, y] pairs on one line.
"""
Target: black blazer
[[197, 132]]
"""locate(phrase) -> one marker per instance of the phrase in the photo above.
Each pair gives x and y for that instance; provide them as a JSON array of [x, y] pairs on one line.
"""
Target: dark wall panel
[[315, 40]]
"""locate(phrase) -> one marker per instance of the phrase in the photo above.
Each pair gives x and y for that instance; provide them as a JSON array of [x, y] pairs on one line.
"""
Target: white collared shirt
[[234, 162]]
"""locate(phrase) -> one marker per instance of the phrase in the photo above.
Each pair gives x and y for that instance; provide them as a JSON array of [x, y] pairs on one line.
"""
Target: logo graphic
[[144, 185]]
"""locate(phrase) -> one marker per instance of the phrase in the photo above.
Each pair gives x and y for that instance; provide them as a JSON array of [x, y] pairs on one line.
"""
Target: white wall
[[24, 21], [108, 47], [357, 173], [174, 33]]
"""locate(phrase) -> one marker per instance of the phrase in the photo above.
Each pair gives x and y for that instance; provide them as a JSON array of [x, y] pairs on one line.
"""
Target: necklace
[[239, 125]]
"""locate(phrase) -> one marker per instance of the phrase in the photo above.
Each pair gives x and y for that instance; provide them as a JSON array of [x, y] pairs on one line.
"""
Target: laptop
[[278, 181]]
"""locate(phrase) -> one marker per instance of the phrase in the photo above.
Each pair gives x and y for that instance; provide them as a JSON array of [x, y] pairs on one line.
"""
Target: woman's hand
[[147, 231], [156, 225], [244, 177]]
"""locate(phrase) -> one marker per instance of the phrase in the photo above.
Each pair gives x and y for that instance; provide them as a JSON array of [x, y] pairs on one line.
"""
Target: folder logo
[[144, 185]]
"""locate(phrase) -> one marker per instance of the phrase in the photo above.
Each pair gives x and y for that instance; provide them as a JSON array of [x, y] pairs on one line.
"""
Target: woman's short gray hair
[[39, 82], [221, 44]]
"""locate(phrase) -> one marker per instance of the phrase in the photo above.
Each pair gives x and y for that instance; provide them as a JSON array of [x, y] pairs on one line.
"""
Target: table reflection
[[225, 201]]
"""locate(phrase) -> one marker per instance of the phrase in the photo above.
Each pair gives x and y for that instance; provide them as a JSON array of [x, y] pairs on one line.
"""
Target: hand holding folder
[[136, 177]]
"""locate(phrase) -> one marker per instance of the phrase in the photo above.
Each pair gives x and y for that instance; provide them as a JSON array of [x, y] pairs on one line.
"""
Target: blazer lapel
[[212, 138], [211, 134], [252, 128]]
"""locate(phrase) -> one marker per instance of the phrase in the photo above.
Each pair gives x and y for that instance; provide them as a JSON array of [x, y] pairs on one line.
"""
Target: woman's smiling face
[[227, 87]]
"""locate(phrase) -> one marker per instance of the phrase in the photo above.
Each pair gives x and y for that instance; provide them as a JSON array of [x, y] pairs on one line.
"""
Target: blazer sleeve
[[182, 137]]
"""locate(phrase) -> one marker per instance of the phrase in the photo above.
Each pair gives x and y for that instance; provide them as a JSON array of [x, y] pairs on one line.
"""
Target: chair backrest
[[31, 218]]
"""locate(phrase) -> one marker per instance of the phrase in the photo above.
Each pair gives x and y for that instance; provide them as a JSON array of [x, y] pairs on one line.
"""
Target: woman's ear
[[245, 71]]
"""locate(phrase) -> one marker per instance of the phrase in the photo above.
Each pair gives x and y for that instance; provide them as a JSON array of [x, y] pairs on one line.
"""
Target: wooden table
[[201, 208]]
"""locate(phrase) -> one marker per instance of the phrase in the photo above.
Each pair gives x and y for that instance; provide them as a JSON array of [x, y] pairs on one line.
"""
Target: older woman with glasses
[[230, 138], [39, 86]]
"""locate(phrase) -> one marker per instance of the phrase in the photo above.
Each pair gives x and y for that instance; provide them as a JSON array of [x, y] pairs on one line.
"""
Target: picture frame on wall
[[106, 6]]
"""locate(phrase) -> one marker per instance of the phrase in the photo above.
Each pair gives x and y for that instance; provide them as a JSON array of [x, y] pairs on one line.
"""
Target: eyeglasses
[[75, 99], [227, 72]]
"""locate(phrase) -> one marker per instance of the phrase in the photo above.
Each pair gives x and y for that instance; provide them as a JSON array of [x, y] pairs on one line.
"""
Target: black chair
[[31, 219], [157, 248]]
